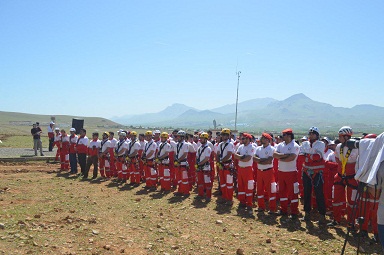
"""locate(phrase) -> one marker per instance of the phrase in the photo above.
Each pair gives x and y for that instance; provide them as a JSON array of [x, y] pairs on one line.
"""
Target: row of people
[[267, 170]]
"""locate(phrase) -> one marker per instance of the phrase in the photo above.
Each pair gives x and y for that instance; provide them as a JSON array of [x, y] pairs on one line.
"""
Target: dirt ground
[[44, 211]]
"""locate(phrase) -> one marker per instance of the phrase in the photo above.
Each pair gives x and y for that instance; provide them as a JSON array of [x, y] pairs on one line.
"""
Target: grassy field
[[44, 211]]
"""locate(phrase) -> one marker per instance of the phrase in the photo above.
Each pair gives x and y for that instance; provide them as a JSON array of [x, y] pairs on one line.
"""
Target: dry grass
[[47, 212]]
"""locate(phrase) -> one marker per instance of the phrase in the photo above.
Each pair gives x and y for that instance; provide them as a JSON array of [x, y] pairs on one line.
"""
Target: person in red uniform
[[112, 160], [245, 180], [120, 149], [345, 185], [181, 165], [162, 161], [51, 136], [64, 150], [104, 166], [93, 156], [133, 159], [148, 158], [286, 152], [203, 168], [72, 151], [56, 143], [265, 176]]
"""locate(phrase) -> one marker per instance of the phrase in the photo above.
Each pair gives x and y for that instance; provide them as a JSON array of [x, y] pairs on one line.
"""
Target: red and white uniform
[[82, 145], [329, 176], [112, 160], [163, 165], [245, 175], [64, 152], [72, 143], [56, 142], [181, 170], [94, 147], [288, 185], [141, 164], [133, 164], [171, 156], [204, 182], [191, 158], [51, 133], [345, 185], [224, 171], [150, 147], [266, 178], [212, 160], [104, 159], [120, 148]]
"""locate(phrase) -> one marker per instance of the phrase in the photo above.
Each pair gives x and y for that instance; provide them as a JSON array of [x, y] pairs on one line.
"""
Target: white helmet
[[57, 129], [346, 130], [314, 130], [326, 139], [181, 133], [72, 130]]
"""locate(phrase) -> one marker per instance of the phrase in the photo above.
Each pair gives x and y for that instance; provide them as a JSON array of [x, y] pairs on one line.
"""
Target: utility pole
[[237, 96]]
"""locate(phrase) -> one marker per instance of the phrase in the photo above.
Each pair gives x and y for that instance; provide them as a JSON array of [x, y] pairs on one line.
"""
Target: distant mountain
[[253, 104], [169, 113], [297, 111]]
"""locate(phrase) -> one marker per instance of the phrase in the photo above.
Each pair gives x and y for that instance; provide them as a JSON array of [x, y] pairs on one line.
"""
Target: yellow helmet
[[134, 133], [226, 131], [164, 135], [149, 132], [204, 135], [106, 133]]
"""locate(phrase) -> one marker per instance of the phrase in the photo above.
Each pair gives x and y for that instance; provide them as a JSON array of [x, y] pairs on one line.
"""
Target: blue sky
[[111, 58]]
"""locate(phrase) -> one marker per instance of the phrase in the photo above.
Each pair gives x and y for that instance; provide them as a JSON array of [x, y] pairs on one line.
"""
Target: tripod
[[360, 206]]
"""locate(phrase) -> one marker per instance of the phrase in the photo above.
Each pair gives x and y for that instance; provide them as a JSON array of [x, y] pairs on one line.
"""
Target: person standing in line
[[265, 176], [72, 151], [104, 165], [81, 149], [245, 181], [203, 168], [286, 152], [64, 150], [93, 156], [162, 161], [181, 165], [51, 136], [112, 160], [148, 160], [120, 149], [57, 143]]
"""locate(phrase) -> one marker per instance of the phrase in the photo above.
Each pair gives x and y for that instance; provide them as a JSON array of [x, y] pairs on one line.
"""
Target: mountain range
[[297, 111]]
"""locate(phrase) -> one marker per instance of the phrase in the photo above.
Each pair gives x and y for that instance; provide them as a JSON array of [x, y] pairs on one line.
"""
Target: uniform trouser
[[134, 171], [338, 203], [192, 172], [92, 160], [226, 184], [51, 142], [112, 163], [368, 210], [288, 190], [204, 182], [314, 181], [121, 168], [64, 160], [266, 183], [82, 157], [172, 169], [182, 180], [327, 188], [105, 170], [73, 162], [164, 176], [150, 175], [212, 165], [245, 184], [37, 145]]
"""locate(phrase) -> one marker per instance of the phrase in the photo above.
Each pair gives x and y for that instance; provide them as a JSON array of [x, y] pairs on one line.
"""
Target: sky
[[113, 58]]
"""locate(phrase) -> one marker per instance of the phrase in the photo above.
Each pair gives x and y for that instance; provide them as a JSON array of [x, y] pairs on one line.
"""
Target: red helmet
[[370, 136]]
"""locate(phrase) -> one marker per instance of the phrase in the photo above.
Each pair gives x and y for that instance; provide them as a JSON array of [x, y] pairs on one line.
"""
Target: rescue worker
[[181, 165], [286, 152], [104, 165], [112, 160], [133, 159], [191, 159], [51, 136], [162, 161], [265, 176], [245, 180], [345, 185], [313, 167], [148, 157], [173, 141], [72, 151], [93, 156], [225, 167], [56, 143], [64, 150], [120, 149], [81, 149], [203, 168]]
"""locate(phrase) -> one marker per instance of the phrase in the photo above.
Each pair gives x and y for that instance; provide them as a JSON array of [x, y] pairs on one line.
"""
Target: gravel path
[[18, 152]]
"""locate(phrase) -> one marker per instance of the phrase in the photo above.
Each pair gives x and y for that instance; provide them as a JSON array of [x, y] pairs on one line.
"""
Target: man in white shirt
[[51, 135], [181, 152], [265, 176], [162, 161], [133, 160], [225, 149], [245, 180], [104, 166], [286, 152], [203, 168], [112, 160], [148, 157], [82, 149], [120, 149]]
